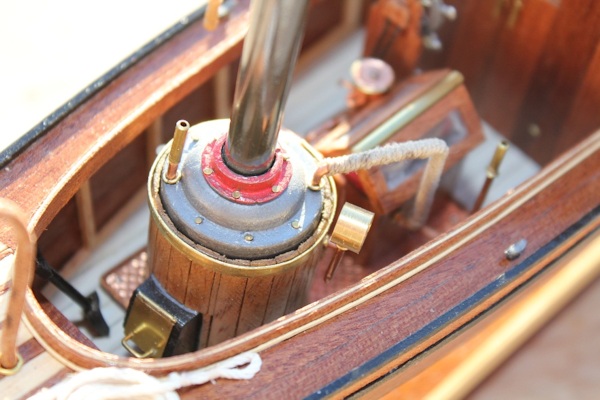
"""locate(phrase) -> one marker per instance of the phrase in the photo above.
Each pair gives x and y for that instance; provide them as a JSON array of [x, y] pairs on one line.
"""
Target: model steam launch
[[247, 225], [237, 227]]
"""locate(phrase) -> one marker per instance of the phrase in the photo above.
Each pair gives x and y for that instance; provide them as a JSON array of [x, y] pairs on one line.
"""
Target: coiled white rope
[[436, 150], [127, 383]]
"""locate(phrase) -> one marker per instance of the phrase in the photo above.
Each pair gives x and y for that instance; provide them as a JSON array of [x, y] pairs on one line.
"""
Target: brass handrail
[[10, 360]]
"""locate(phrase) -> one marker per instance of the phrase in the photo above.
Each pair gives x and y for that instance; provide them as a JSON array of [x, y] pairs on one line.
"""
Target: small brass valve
[[349, 233]]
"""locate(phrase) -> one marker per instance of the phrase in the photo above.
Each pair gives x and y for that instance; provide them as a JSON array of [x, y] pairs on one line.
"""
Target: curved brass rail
[[10, 360]]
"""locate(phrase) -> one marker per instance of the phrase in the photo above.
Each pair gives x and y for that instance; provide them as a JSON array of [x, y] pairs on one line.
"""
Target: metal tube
[[270, 51], [490, 174], [181, 129]]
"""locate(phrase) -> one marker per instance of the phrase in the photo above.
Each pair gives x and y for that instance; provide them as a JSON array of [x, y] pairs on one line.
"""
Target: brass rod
[[491, 173], [482, 194], [335, 261], [407, 114], [153, 140], [85, 214]]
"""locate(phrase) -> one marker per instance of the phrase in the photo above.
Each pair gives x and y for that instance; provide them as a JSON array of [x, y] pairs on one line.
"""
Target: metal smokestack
[[269, 55]]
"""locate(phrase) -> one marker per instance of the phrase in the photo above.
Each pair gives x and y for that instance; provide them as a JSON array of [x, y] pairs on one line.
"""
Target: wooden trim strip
[[153, 140], [85, 215]]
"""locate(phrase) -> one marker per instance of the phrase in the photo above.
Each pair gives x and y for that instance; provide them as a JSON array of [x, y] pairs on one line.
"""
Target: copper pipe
[[211, 17], [269, 55], [22, 276]]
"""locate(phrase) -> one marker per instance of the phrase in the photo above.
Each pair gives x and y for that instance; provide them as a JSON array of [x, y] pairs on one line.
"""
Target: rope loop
[[433, 149], [130, 384]]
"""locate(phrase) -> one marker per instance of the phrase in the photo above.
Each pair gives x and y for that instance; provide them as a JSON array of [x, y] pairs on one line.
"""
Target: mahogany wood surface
[[322, 16], [355, 125], [230, 305], [558, 75], [118, 180], [196, 107], [532, 81], [491, 339], [512, 67], [473, 43], [584, 115], [394, 34], [65, 230]]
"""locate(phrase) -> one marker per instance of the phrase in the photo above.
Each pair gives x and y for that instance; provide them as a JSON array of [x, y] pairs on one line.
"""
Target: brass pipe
[[492, 169], [181, 129], [491, 173], [335, 261], [269, 55]]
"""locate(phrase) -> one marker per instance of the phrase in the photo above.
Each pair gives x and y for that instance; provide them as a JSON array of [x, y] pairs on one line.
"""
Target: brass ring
[[13, 370]]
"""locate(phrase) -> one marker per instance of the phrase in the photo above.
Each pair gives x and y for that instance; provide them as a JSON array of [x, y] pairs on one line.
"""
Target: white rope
[[436, 150], [127, 383]]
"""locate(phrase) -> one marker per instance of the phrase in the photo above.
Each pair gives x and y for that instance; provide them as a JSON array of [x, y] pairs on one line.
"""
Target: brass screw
[[534, 130], [295, 224], [207, 171], [236, 194], [199, 220], [248, 237]]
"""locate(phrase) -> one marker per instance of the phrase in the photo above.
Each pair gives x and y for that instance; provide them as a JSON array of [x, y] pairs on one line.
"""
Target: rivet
[[207, 171], [276, 189], [248, 237], [515, 250], [236, 194], [199, 220], [534, 130], [295, 224]]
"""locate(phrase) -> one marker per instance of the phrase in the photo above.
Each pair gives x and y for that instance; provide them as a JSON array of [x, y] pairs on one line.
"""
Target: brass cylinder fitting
[[181, 129]]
